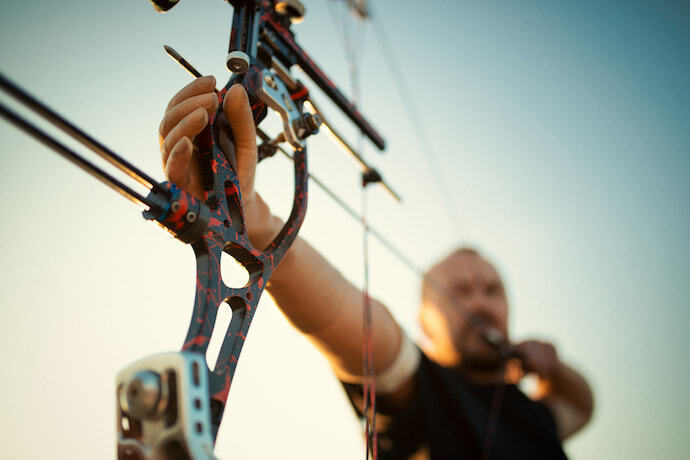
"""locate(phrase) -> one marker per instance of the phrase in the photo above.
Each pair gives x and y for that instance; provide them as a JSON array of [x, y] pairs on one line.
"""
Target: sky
[[560, 129]]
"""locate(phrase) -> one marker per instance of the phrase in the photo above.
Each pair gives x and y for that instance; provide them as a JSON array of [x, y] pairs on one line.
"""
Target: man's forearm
[[568, 384], [326, 307], [570, 398]]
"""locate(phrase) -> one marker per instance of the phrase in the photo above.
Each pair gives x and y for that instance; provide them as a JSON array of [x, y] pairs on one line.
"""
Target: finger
[[201, 85], [178, 162], [525, 353], [189, 126], [519, 348], [207, 101], [241, 120]]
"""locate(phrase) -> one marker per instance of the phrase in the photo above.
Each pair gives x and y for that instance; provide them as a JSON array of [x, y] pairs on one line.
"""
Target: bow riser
[[225, 232]]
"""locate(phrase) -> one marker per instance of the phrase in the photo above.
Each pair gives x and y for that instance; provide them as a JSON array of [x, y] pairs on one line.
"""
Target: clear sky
[[561, 129]]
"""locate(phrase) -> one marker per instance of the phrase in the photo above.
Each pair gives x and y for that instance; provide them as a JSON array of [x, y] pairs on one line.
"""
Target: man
[[449, 402]]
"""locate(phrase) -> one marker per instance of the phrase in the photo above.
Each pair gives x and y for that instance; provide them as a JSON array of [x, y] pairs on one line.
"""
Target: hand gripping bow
[[172, 402]]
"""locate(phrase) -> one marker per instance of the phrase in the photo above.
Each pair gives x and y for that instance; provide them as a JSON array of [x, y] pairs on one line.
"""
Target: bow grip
[[222, 132]]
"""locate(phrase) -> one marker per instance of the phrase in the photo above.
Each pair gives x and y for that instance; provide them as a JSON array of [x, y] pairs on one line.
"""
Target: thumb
[[239, 114]]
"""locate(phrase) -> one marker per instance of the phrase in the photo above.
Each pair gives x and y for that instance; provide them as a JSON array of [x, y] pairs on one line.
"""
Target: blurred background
[[559, 130]]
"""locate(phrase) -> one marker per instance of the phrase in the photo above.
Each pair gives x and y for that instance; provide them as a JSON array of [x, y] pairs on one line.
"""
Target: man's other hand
[[537, 357]]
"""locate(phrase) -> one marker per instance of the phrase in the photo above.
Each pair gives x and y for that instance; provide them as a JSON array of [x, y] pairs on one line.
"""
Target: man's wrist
[[262, 226], [262, 236]]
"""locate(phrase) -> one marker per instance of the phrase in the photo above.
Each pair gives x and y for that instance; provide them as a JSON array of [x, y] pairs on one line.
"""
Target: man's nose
[[476, 303], [482, 302]]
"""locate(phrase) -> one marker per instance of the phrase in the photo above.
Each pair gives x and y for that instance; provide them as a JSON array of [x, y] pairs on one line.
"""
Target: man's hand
[[186, 116], [560, 387], [537, 357]]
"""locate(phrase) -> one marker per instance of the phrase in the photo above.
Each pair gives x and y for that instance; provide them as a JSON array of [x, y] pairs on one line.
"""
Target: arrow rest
[[179, 212]]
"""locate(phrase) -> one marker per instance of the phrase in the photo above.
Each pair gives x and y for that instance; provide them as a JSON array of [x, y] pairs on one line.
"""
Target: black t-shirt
[[448, 416]]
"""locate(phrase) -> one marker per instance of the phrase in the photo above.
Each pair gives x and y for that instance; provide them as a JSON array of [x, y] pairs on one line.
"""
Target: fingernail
[[182, 145], [199, 114], [236, 85]]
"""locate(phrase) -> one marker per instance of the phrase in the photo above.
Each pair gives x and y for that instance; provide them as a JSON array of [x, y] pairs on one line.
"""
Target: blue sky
[[561, 130]]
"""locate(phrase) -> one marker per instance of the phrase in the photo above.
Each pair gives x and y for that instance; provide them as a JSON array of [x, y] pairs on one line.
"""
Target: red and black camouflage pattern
[[226, 232]]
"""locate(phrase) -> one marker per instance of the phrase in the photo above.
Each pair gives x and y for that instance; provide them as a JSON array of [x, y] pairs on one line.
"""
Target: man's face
[[478, 292]]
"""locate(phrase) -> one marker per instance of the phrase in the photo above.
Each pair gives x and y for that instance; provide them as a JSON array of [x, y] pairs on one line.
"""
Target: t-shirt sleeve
[[399, 432], [401, 369]]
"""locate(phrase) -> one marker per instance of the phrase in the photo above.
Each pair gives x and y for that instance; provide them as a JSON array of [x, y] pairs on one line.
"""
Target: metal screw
[[287, 101], [307, 125], [175, 206], [191, 216], [313, 121], [141, 394], [270, 82]]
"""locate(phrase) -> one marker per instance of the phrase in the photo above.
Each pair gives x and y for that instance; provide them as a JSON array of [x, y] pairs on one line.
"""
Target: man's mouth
[[485, 327], [494, 337]]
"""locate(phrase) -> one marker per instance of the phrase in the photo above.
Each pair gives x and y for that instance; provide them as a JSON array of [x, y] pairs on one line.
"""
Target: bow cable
[[417, 124]]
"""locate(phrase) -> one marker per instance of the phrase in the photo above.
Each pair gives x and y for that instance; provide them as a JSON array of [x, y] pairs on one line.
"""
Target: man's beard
[[485, 363], [480, 356]]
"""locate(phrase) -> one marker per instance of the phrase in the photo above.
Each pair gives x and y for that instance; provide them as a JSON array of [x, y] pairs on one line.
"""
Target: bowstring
[[353, 54], [369, 373], [369, 377]]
